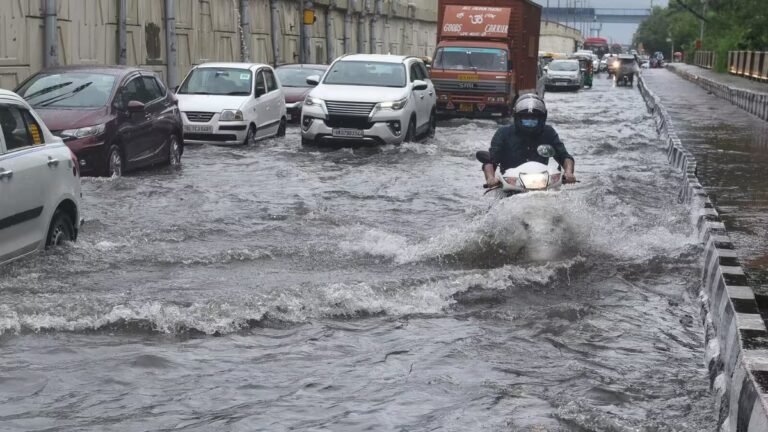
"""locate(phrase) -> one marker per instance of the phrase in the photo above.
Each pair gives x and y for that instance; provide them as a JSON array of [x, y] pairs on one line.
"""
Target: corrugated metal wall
[[206, 30]]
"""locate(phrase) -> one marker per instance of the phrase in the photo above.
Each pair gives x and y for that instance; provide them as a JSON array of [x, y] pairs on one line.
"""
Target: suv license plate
[[466, 107], [198, 128], [561, 83], [348, 133]]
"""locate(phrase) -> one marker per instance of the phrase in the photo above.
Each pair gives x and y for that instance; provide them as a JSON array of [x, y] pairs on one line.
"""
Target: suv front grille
[[199, 117], [352, 122], [360, 109]]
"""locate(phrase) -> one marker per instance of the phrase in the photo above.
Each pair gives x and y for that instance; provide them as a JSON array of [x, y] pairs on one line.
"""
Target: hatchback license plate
[[466, 107], [561, 83], [198, 128], [348, 133]]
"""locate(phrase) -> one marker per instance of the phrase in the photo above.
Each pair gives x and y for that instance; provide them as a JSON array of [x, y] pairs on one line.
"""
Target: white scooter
[[532, 176]]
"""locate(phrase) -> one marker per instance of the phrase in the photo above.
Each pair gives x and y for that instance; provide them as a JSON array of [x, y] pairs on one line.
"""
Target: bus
[[597, 45]]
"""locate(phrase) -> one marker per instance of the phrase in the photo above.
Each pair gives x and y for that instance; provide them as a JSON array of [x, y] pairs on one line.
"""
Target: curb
[[751, 101], [736, 335]]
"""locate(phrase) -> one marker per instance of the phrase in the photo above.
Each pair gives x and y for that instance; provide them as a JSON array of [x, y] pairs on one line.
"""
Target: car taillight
[[75, 164]]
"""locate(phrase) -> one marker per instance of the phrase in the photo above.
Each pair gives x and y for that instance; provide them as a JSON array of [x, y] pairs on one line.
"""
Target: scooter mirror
[[546, 150]]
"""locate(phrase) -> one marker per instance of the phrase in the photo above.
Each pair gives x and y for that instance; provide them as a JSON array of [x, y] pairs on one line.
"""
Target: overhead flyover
[[603, 15]]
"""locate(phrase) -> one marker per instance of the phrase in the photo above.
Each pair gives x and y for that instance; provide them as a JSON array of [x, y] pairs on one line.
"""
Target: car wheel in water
[[250, 137], [306, 142], [174, 151], [61, 230], [115, 163], [432, 125], [281, 128], [409, 134]]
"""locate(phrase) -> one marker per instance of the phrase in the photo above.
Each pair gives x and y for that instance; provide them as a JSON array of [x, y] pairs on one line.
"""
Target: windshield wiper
[[237, 93], [48, 90], [60, 98]]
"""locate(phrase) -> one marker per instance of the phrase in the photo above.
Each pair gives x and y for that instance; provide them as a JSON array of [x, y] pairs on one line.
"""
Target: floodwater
[[275, 288]]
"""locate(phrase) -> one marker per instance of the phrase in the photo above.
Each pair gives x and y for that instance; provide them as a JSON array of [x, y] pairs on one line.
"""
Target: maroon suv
[[114, 118], [293, 79]]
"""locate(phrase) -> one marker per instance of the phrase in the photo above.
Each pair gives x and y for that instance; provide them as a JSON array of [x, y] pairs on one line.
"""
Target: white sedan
[[39, 183]]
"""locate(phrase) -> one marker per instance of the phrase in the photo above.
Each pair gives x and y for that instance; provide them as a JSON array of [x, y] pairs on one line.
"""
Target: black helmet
[[530, 114]]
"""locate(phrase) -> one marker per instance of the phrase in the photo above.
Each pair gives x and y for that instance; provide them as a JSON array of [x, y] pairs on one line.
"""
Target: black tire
[[62, 229], [175, 150], [250, 137], [432, 125], [115, 162], [410, 134], [281, 128]]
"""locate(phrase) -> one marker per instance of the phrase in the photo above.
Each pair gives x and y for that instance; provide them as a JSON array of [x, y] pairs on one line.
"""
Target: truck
[[486, 56]]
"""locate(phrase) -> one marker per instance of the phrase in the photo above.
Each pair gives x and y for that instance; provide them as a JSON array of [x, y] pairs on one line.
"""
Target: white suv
[[372, 98], [231, 103], [39, 183]]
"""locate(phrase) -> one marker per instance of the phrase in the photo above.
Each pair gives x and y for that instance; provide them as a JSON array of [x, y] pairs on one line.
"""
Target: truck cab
[[486, 56]]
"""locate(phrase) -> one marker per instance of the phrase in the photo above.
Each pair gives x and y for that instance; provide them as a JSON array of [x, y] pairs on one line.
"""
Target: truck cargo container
[[486, 56]]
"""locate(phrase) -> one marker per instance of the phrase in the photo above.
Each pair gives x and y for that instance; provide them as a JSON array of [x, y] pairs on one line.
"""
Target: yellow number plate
[[465, 77], [466, 107]]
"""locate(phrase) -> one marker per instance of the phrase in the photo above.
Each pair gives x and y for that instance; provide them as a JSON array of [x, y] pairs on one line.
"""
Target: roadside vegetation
[[729, 25]]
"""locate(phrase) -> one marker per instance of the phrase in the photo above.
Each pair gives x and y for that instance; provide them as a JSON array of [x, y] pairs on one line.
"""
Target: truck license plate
[[348, 133], [466, 107], [467, 77], [198, 128]]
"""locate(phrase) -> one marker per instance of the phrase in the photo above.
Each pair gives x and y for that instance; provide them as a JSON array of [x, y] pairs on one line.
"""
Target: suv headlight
[[231, 115], [394, 105], [311, 101], [85, 131]]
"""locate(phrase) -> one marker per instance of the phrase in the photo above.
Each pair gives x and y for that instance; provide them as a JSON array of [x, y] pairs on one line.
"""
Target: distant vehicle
[[626, 70], [596, 45], [114, 118], [565, 74], [293, 79], [39, 183], [231, 103], [483, 60], [617, 49], [370, 98]]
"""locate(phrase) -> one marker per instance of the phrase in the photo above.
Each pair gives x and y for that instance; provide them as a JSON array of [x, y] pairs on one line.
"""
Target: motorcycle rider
[[515, 144]]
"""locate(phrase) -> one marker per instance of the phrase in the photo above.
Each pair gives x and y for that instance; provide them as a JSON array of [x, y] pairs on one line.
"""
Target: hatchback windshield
[[484, 59], [218, 81], [68, 90], [362, 73], [295, 77], [569, 66]]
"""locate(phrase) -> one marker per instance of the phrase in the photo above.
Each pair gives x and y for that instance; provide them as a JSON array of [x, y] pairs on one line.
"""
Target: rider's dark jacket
[[511, 149]]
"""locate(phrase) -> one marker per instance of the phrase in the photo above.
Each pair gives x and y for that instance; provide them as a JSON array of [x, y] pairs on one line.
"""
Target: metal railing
[[749, 64], [705, 59]]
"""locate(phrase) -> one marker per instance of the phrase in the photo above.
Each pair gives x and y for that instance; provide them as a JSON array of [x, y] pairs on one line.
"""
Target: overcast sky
[[621, 33]]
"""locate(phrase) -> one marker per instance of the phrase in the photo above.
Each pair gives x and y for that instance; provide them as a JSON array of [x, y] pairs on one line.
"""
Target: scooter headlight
[[535, 181]]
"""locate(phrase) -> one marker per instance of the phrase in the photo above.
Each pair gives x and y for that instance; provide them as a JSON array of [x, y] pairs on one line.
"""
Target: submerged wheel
[[250, 137], [174, 151], [115, 162], [411, 132], [61, 230], [281, 128], [432, 125]]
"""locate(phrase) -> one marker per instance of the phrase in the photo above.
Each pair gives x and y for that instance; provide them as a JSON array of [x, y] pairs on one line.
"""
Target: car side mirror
[[420, 85], [135, 106], [546, 150], [313, 80]]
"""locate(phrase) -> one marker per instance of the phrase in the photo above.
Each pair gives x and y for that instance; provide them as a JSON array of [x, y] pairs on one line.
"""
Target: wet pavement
[[276, 288], [727, 79], [731, 149]]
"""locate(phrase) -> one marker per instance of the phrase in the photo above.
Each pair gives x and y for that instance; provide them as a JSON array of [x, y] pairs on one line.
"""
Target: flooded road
[[277, 288]]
